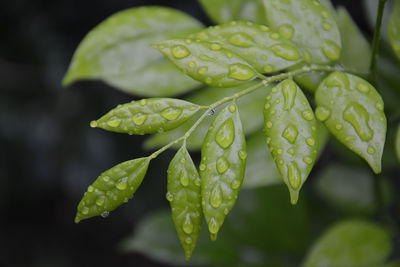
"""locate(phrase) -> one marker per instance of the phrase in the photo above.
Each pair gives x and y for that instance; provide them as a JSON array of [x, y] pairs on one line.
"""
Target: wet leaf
[[352, 110], [118, 52], [112, 188], [394, 29]]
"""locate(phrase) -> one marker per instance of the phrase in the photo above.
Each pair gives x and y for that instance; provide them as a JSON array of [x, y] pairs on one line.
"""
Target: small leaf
[[222, 167], [352, 110], [112, 188], [147, 116], [185, 199], [291, 131], [353, 243], [222, 11], [249, 106], [394, 29], [118, 52], [265, 50], [313, 27], [207, 62]]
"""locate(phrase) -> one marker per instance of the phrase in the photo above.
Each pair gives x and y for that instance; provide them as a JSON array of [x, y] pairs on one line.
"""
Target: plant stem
[[375, 41], [265, 81]]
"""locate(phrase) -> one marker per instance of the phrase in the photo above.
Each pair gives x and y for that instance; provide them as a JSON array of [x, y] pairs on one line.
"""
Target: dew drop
[[187, 226], [274, 35], [93, 124], [290, 133], [308, 160], [100, 201], [184, 178], [286, 31], [202, 70], [197, 182], [114, 123], [268, 68], [232, 108], [139, 118], [169, 196], [339, 127], [143, 102], [171, 113], [326, 26], [269, 124], [291, 151], [241, 39], [267, 106], [188, 240], [106, 179], [222, 165], [215, 47], [226, 211], [310, 141], [235, 184], [371, 150], [208, 80], [286, 51], [211, 112], [216, 196], [202, 167], [294, 175], [122, 184], [213, 226], [206, 58], [225, 134], [363, 88], [85, 210], [192, 64], [358, 117], [242, 154], [379, 106], [241, 72], [322, 113], [331, 50], [180, 51], [308, 115], [105, 214], [289, 89], [90, 189]]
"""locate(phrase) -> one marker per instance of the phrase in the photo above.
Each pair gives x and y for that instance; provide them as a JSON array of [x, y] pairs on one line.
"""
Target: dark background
[[49, 154]]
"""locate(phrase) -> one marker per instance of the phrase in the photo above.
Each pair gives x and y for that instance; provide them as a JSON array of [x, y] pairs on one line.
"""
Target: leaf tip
[[77, 219], [213, 237], [67, 80], [93, 124], [294, 196]]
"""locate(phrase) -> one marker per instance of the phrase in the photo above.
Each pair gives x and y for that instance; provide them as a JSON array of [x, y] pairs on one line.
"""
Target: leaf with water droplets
[[207, 62], [267, 51], [314, 27], [291, 132], [147, 116], [352, 110], [112, 188], [394, 29], [222, 167], [185, 199], [118, 52], [222, 11]]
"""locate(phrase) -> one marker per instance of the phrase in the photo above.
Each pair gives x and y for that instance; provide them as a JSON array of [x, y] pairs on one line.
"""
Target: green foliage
[[394, 29]]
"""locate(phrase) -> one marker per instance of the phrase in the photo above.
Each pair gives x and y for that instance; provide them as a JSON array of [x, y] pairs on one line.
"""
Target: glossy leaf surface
[[112, 188], [249, 106], [265, 50], [351, 243], [185, 199], [147, 116], [222, 11], [207, 62], [291, 132], [223, 161], [311, 26], [118, 52], [394, 29], [352, 110]]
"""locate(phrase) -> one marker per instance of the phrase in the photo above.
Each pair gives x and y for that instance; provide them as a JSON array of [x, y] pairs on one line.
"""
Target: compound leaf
[[352, 110], [207, 62], [222, 167], [311, 26], [394, 29], [185, 199], [291, 132], [147, 116], [265, 50], [118, 52], [112, 188]]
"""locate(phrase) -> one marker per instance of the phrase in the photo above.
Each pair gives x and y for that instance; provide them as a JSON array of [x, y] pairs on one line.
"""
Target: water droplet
[[379, 106], [232, 108], [310, 141], [188, 240], [308, 160], [358, 117], [184, 178], [213, 226], [208, 80], [114, 123], [106, 179], [290, 133], [215, 47], [339, 127], [371, 150], [363, 88], [192, 64], [202, 70], [197, 182], [242, 154], [241, 72], [105, 214], [268, 68], [90, 189], [286, 51], [269, 124], [308, 115], [85, 210], [274, 35], [216, 196], [267, 106], [286, 31], [143, 102], [206, 58], [122, 184], [202, 167], [291, 151], [222, 165], [326, 26], [322, 113], [235, 184], [93, 124], [241, 40], [100, 200], [331, 50], [225, 134], [180, 51], [171, 113], [139, 118], [294, 175], [289, 89], [226, 211], [169, 196], [187, 226]]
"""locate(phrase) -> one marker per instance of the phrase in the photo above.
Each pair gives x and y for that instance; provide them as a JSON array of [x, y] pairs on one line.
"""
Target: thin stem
[[375, 41], [265, 81]]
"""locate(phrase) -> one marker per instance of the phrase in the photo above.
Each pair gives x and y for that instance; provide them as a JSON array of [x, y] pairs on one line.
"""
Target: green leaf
[[222, 11], [185, 199], [311, 26], [112, 188], [207, 62], [394, 29], [265, 50], [118, 52], [352, 243], [222, 167], [356, 51], [310, 81], [398, 143], [249, 106], [352, 110], [147, 116], [291, 131]]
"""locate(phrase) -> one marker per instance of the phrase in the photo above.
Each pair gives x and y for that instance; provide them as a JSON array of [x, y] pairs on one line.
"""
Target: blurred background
[[49, 155]]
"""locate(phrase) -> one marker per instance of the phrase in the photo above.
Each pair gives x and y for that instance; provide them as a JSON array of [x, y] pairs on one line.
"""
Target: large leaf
[[222, 11], [118, 52], [249, 106], [311, 26], [351, 243], [394, 29]]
